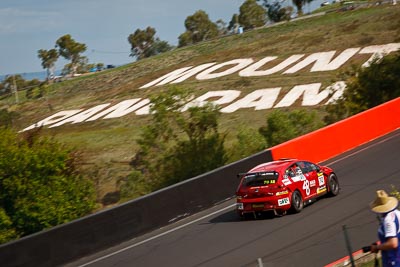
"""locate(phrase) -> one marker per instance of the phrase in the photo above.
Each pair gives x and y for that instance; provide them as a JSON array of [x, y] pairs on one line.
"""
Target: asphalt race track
[[314, 237]]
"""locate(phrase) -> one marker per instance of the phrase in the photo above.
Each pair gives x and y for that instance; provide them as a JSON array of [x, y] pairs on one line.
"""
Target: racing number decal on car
[[306, 186], [283, 201]]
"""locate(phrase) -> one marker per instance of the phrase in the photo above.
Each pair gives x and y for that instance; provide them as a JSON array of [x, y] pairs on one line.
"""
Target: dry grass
[[109, 144]]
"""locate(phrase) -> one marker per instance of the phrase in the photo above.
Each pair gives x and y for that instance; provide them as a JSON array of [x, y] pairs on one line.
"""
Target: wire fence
[[354, 258]]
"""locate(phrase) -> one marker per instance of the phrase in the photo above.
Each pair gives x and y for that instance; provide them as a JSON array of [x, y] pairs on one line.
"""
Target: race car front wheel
[[333, 184], [297, 202]]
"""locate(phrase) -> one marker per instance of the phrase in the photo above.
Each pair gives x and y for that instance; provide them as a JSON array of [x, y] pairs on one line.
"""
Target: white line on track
[[361, 150], [157, 236]]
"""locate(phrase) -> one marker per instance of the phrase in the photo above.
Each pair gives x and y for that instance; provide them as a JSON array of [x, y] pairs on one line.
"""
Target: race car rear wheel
[[297, 202], [333, 184]]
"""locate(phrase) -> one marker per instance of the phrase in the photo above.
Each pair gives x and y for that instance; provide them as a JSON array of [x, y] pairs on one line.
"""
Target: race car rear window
[[260, 179]]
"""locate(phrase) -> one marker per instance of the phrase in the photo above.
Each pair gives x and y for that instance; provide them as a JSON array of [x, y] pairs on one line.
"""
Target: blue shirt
[[390, 227]]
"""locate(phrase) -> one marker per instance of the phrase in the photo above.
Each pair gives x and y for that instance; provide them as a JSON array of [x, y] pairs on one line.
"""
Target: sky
[[27, 26]]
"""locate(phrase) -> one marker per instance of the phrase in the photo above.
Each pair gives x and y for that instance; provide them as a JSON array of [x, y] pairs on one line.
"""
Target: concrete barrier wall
[[90, 234], [342, 136]]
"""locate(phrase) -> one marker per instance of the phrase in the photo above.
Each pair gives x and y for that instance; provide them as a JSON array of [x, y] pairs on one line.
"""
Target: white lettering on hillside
[[252, 70], [336, 90], [126, 107], [144, 110], [208, 73], [224, 97], [298, 90], [322, 61], [59, 116], [378, 51], [80, 117], [119, 108], [178, 75], [311, 94], [259, 100]]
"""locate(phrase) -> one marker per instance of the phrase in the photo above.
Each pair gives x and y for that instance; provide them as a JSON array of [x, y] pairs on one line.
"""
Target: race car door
[[300, 179], [315, 177], [315, 174]]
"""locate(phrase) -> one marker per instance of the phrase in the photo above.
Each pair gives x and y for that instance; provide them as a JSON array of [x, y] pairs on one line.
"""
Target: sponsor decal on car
[[269, 181], [298, 178], [283, 201], [321, 179], [282, 193], [312, 183], [295, 179], [286, 181], [239, 206], [321, 189]]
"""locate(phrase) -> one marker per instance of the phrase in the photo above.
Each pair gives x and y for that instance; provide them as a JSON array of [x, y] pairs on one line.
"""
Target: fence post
[[348, 245]]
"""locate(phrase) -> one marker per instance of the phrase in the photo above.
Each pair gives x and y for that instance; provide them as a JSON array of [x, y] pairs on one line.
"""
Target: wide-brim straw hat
[[383, 202]]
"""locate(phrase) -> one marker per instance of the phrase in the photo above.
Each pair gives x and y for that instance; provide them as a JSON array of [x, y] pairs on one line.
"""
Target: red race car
[[283, 185]]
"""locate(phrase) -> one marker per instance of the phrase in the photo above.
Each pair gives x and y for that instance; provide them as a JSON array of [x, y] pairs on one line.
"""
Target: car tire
[[333, 185], [297, 203]]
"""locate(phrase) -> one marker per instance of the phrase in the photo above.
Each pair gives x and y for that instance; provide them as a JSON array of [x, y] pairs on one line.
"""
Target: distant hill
[[247, 93]]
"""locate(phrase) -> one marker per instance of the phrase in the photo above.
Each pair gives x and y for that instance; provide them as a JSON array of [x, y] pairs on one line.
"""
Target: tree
[[12, 80], [144, 43], [299, 5], [185, 39], [249, 141], [276, 12], [178, 145], [198, 28], [49, 58], [221, 26], [40, 186], [368, 87], [12, 84], [234, 23], [7, 231], [158, 47], [156, 138], [70, 50], [251, 15], [141, 41], [283, 126], [200, 151]]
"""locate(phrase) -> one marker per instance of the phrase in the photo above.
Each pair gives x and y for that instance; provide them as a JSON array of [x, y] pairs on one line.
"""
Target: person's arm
[[390, 243]]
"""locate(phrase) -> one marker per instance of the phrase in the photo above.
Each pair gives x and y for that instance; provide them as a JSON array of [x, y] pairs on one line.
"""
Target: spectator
[[389, 228]]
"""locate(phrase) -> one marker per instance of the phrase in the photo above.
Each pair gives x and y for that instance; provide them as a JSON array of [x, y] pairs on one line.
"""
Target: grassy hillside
[[109, 144]]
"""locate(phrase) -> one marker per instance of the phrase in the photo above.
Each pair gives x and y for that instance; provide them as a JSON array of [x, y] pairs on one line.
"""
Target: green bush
[[249, 141], [283, 126], [368, 87], [39, 184]]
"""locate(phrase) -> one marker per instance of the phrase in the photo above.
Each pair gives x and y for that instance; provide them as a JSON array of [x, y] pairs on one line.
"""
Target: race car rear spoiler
[[268, 173]]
